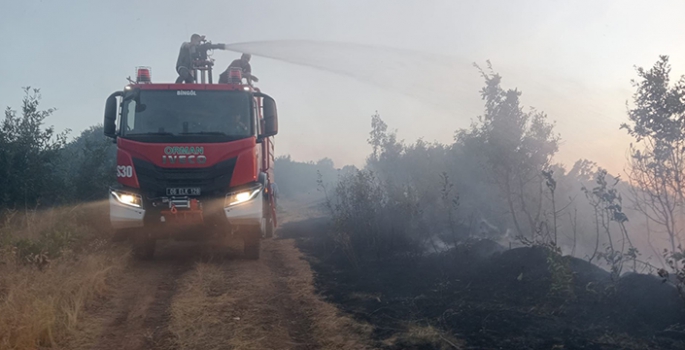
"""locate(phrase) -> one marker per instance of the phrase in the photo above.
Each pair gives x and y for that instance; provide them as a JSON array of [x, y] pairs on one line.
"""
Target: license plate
[[184, 191]]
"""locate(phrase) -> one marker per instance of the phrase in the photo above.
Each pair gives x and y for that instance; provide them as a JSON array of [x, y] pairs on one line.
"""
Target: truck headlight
[[127, 198], [242, 196]]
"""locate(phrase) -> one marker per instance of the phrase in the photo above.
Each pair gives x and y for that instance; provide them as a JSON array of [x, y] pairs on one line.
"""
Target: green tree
[[28, 154], [88, 165], [515, 147], [657, 158]]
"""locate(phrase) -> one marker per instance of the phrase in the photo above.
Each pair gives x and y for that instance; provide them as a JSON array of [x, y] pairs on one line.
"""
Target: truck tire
[[252, 246], [143, 247]]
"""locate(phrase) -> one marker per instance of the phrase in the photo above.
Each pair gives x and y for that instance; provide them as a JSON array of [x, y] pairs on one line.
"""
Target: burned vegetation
[[488, 243]]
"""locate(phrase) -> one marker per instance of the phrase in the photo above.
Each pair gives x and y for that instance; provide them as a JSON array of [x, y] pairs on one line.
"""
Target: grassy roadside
[[54, 264]]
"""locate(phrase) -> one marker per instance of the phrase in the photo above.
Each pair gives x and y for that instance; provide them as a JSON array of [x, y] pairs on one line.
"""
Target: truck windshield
[[223, 114]]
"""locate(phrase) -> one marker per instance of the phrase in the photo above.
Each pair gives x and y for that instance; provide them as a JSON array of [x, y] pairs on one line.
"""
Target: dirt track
[[189, 299]]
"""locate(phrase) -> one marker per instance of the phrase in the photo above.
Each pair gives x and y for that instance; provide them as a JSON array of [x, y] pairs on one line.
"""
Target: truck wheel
[[143, 247], [252, 244]]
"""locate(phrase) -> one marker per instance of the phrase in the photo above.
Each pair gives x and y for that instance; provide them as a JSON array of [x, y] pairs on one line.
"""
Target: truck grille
[[212, 180]]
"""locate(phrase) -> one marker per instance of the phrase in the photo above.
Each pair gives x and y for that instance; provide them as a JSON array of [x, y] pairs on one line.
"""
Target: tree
[[515, 147], [657, 159], [607, 203], [88, 165], [28, 154], [298, 180], [386, 148]]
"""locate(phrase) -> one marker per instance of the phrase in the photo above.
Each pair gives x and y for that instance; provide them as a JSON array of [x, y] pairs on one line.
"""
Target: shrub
[[375, 219]]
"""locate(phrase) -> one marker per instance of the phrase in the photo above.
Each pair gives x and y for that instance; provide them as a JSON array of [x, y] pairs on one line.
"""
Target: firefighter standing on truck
[[244, 64], [188, 53]]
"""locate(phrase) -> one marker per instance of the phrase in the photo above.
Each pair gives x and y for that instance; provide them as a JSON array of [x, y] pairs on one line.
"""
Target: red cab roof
[[224, 87]]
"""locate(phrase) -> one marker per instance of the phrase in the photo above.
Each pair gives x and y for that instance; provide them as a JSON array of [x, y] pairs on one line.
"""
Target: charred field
[[481, 295]]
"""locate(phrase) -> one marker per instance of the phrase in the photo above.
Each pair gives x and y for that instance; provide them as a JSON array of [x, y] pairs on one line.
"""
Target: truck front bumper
[[246, 213]]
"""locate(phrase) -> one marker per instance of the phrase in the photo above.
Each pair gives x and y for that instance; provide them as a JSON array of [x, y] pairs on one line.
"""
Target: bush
[[676, 263], [374, 219]]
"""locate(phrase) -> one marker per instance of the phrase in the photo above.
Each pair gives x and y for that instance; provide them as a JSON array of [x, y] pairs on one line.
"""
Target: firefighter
[[244, 64], [238, 126], [184, 62], [189, 52]]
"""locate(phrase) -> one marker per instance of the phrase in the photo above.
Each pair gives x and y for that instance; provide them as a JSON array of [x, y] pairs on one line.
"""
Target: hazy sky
[[572, 59]]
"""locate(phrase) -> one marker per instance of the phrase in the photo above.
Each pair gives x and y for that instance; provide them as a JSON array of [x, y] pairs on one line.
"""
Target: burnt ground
[[488, 297]]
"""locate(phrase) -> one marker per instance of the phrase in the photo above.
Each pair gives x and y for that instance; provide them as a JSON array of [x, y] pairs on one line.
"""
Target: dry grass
[[329, 327], [197, 314], [52, 267], [424, 337], [265, 304], [43, 308], [31, 223]]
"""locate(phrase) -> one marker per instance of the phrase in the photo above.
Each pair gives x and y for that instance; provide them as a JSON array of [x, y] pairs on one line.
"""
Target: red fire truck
[[194, 161]]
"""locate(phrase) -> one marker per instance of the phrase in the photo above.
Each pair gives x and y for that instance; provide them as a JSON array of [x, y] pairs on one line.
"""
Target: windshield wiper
[[205, 133]]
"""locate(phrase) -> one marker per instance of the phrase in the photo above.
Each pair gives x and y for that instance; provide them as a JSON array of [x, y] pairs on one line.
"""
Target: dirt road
[[189, 298]]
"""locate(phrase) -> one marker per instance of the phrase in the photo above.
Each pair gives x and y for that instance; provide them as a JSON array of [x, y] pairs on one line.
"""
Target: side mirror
[[111, 111], [270, 116]]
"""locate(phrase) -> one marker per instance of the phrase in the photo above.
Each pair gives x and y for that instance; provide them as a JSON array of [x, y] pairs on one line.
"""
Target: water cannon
[[202, 59]]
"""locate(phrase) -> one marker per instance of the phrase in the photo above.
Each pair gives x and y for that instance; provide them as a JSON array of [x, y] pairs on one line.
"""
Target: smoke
[[450, 84], [443, 81]]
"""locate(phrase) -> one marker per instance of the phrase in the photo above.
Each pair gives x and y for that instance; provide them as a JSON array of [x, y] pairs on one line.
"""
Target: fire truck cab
[[194, 161]]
